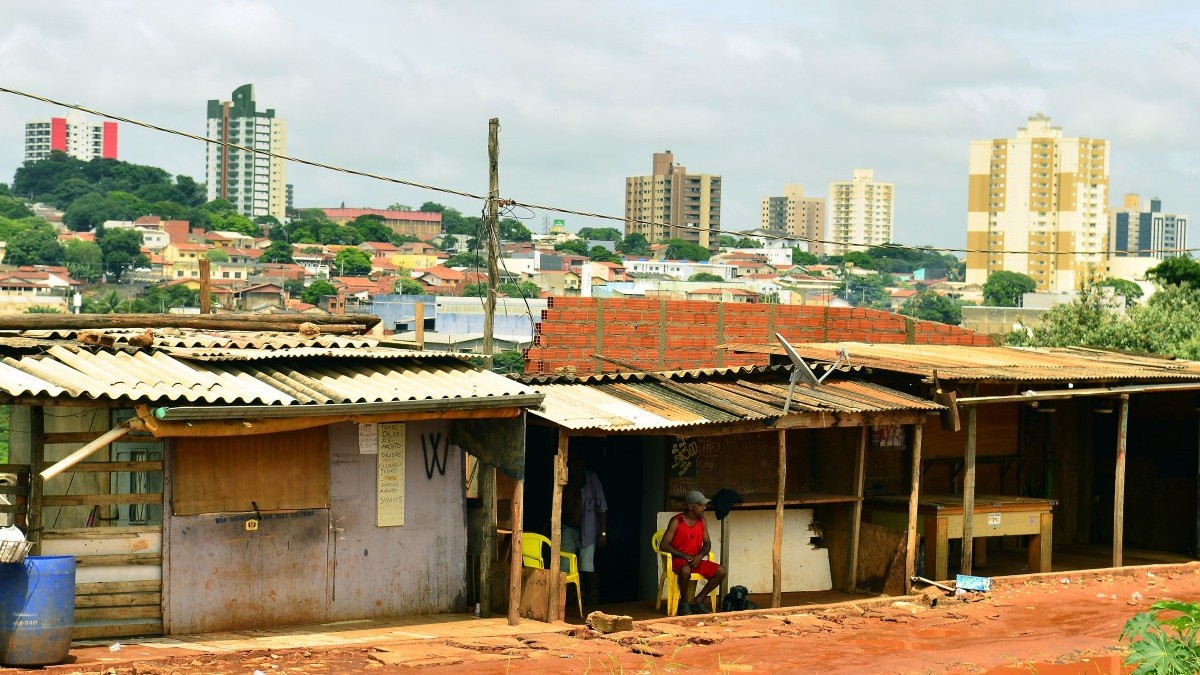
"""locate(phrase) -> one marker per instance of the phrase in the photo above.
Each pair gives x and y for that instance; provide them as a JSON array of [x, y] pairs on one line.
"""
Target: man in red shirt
[[686, 539]]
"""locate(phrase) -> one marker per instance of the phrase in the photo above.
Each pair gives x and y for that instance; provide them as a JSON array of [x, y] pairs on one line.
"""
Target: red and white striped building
[[73, 134]]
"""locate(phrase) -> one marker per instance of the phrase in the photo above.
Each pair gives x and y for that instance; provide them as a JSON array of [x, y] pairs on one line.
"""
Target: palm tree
[[109, 303]]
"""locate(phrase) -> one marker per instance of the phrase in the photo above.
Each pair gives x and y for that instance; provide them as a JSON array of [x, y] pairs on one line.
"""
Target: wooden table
[[995, 516]]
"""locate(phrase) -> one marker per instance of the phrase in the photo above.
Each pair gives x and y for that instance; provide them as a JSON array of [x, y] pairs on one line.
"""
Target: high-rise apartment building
[[73, 135], [799, 216], [680, 205], [256, 184], [860, 213], [1038, 204], [1144, 231]]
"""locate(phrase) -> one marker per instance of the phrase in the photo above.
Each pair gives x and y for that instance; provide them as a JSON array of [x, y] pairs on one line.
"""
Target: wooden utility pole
[[515, 560], [556, 499], [493, 234]]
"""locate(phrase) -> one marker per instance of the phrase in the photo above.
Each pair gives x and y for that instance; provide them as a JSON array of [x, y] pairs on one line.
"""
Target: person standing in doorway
[[585, 523], [686, 539]]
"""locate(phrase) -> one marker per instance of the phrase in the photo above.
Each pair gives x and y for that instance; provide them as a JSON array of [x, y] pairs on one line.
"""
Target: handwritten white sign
[[368, 435], [389, 488]]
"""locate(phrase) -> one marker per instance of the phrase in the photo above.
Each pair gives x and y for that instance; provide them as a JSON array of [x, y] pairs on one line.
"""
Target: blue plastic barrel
[[37, 610]]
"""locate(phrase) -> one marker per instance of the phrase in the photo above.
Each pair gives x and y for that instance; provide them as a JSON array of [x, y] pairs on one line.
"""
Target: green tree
[[277, 252], [678, 249], [371, 227], [522, 289], [13, 208], [576, 246], [727, 241], [1176, 271], [634, 244], [107, 303], [84, 259], [162, 298], [601, 254], [929, 306], [512, 229], [34, 246], [599, 234], [706, 276], [510, 361], [316, 290], [42, 309], [470, 259], [449, 243], [1004, 288], [351, 262], [475, 289], [1124, 287], [408, 286], [122, 249], [866, 290], [399, 206], [801, 257], [216, 255]]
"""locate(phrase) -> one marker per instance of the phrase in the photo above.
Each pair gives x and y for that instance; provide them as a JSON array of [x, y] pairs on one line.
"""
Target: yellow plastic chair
[[670, 580], [532, 545]]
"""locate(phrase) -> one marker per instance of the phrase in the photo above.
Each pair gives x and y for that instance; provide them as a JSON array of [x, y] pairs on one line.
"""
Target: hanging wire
[[559, 209]]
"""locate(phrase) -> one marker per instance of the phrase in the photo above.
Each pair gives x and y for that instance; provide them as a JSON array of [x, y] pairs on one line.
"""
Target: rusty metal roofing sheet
[[156, 376], [640, 375], [1012, 364], [365, 352], [646, 404]]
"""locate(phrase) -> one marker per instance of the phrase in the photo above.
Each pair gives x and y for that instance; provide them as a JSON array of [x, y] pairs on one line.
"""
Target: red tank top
[[688, 538]]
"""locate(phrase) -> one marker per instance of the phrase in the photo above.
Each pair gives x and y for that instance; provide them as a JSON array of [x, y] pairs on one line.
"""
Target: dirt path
[[1065, 623]]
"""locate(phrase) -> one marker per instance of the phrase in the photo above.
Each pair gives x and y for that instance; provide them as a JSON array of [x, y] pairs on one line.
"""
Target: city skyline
[[869, 85]]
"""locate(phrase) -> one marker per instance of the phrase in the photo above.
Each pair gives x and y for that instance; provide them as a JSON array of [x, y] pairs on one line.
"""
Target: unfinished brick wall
[[659, 334]]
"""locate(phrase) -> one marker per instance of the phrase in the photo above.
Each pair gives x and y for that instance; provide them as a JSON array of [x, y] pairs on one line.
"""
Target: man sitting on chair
[[686, 539]]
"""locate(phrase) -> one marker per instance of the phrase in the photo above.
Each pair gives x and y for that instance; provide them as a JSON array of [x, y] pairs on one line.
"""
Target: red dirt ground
[[1055, 623]]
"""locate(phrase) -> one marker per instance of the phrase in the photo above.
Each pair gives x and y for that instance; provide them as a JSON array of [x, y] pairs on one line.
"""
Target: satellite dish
[[801, 371]]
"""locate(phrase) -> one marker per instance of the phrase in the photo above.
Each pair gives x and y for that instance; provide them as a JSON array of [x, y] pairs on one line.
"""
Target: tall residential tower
[[1144, 231], [861, 213], [799, 216], [1038, 204], [681, 205], [73, 135], [256, 184]]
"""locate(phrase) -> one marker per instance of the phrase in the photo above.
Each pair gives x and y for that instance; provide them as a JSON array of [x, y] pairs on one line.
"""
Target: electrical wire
[[559, 209]]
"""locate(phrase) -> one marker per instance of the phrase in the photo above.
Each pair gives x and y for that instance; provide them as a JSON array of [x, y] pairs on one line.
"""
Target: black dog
[[735, 600]]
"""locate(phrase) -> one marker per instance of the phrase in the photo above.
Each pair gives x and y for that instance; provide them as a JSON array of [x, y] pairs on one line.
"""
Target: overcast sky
[[763, 93]]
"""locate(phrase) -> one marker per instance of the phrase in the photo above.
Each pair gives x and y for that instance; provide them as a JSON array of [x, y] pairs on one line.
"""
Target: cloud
[[762, 92]]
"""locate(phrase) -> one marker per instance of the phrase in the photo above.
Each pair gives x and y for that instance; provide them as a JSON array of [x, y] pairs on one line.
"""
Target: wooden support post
[[37, 457], [515, 561], [487, 494], [205, 286], [419, 324], [1119, 486], [777, 546], [914, 496], [860, 466], [968, 536], [556, 497]]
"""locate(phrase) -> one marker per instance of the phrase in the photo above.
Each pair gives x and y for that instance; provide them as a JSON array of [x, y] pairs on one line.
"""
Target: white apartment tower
[[680, 205], [860, 213], [1038, 204], [73, 134], [799, 216], [256, 184]]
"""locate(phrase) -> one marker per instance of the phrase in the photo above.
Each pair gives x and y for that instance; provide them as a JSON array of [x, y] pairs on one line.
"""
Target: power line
[[265, 153], [557, 209]]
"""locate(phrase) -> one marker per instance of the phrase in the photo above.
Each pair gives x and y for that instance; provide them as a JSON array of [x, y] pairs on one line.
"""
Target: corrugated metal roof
[[157, 376], [218, 354], [1012, 364], [199, 338], [646, 404], [638, 376]]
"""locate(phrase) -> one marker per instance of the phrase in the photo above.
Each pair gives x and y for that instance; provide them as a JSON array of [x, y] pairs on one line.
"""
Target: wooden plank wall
[[118, 579]]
